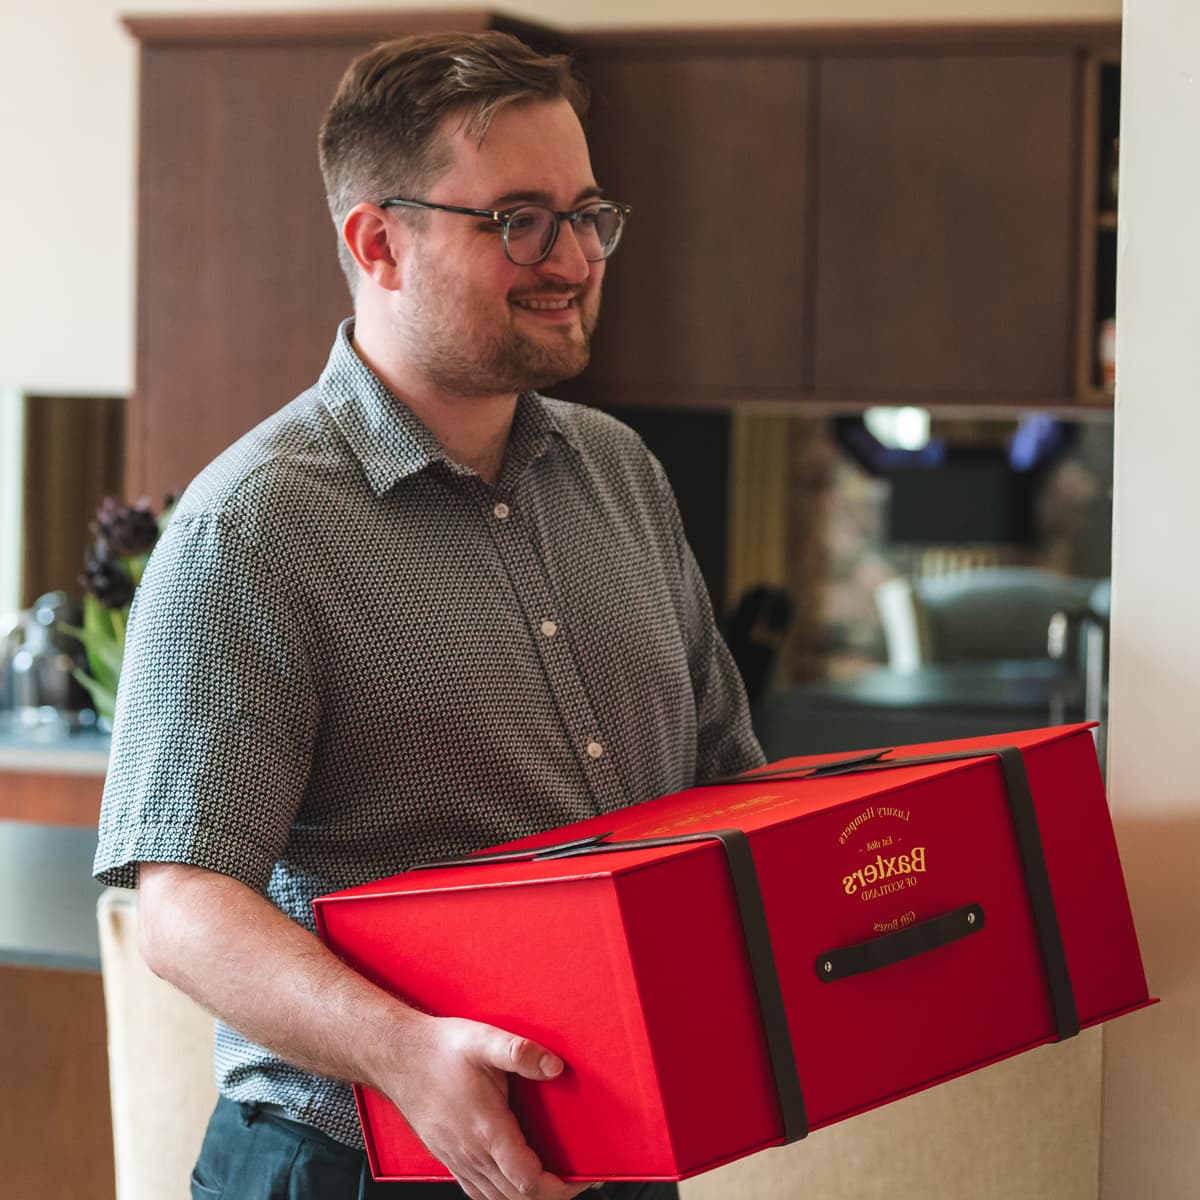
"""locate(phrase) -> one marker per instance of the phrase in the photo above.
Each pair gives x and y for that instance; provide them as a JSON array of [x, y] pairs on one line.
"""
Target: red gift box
[[772, 954]]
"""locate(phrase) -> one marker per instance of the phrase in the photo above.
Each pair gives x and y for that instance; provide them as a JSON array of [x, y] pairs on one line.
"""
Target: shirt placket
[[551, 639]]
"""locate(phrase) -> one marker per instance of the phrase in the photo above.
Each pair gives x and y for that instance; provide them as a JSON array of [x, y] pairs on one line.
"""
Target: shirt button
[[549, 628], [594, 749], [500, 511]]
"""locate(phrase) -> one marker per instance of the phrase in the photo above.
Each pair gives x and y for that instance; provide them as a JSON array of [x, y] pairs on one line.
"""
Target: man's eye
[[588, 218], [522, 223]]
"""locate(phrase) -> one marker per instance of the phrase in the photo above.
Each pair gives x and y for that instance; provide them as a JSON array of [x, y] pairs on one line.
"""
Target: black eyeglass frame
[[504, 216]]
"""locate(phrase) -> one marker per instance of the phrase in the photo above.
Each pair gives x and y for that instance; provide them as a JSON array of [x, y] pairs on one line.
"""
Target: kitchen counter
[[56, 1139], [50, 788], [52, 778], [45, 750]]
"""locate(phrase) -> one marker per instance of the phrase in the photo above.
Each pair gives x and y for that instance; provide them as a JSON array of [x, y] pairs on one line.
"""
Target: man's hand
[[241, 958], [453, 1091]]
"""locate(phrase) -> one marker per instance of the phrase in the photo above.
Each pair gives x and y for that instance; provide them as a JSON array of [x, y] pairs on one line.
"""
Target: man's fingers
[[523, 1170], [518, 1164], [512, 1167], [486, 1175], [488, 1154], [462, 1113]]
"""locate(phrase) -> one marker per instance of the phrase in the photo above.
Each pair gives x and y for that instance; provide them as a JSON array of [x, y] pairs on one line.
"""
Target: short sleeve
[[725, 739], [216, 712]]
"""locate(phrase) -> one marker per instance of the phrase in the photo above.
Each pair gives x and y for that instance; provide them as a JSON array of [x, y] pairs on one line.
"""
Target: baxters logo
[[895, 868]]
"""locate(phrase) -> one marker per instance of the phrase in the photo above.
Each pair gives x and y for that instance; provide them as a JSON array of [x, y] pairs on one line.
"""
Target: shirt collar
[[388, 439]]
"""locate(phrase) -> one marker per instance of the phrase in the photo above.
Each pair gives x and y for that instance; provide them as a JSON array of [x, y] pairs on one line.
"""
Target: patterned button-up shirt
[[349, 654]]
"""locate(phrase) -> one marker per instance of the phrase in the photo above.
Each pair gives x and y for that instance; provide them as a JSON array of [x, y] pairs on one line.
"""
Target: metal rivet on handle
[[828, 966], [970, 918]]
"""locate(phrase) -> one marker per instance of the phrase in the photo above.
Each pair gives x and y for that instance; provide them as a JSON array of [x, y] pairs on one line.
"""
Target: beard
[[464, 349]]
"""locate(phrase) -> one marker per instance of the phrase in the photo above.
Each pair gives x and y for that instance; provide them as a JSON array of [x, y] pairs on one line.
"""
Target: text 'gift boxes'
[[726, 968]]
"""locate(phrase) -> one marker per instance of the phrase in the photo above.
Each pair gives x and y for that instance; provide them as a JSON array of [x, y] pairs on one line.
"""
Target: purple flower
[[105, 578], [125, 531]]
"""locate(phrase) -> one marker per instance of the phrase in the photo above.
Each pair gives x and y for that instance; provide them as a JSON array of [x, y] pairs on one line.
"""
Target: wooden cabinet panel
[[705, 297], [946, 216], [847, 215], [51, 797], [238, 286], [55, 1123], [239, 291]]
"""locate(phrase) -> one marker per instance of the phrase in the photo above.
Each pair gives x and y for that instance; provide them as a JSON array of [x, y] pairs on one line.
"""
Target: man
[[419, 611]]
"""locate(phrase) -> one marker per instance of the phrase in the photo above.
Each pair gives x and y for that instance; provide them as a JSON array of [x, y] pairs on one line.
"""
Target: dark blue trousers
[[252, 1154]]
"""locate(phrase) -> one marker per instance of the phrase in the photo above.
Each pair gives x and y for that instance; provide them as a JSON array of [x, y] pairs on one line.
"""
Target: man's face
[[472, 322]]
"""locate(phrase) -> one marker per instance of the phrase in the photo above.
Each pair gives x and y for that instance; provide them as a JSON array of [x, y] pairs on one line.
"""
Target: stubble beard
[[460, 358]]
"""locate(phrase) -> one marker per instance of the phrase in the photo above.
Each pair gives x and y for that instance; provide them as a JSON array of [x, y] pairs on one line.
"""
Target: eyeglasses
[[530, 230]]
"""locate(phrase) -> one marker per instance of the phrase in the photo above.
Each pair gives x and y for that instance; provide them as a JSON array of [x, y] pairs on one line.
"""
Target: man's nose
[[566, 259]]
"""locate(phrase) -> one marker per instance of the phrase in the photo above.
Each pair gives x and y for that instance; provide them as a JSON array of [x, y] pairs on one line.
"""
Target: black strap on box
[[1029, 845], [753, 918]]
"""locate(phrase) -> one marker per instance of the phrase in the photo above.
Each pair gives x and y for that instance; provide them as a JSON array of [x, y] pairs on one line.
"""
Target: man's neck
[[473, 430]]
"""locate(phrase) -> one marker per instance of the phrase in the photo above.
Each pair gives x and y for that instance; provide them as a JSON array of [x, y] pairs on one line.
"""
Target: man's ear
[[377, 244]]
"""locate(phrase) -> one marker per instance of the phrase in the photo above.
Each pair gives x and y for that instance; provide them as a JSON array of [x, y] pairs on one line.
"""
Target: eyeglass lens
[[532, 231]]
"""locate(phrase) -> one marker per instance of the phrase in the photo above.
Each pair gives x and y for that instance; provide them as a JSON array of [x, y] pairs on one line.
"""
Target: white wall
[[11, 441], [1152, 1061], [67, 101]]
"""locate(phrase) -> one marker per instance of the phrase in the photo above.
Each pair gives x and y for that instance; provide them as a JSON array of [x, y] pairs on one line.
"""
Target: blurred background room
[[864, 314]]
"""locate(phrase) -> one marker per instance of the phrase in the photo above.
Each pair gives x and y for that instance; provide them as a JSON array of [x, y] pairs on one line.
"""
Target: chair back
[[160, 1063]]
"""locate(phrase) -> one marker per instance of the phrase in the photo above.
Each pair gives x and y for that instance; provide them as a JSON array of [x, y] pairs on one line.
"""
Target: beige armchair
[[972, 616], [160, 1064]]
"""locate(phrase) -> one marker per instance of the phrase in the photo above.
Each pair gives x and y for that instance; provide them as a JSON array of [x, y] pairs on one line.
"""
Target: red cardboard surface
[[633, 966]]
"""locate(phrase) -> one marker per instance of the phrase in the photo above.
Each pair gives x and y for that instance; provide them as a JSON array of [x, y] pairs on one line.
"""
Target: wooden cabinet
[[835, 217], [56, 1132], [238, 286], [845, 216], [239, 290], [945, 216], [706, 297], [1096, 349], [55, 1123]]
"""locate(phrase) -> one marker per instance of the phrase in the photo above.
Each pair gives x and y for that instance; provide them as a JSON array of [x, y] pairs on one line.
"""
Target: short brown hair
[[379, 136]]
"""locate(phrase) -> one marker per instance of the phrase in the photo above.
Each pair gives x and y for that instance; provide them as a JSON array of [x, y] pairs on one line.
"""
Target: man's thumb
[[520, 1056]]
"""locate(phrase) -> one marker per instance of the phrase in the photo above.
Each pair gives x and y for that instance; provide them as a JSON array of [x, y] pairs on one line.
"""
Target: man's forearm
[[239, 957]]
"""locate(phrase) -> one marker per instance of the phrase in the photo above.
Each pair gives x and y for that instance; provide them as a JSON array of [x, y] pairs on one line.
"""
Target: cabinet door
[[239, 291], [704, 298], [945, 214]]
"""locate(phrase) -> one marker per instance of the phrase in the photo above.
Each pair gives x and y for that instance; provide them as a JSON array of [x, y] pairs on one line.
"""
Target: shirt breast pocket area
[[625, 620], [201, 1191]]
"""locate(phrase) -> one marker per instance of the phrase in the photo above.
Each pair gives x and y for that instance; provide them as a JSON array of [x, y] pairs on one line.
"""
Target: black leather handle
[[895, 947]]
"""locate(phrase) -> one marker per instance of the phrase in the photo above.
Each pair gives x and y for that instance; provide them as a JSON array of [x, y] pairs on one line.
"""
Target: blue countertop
[[47, 894], [49, 749], [48, 897]]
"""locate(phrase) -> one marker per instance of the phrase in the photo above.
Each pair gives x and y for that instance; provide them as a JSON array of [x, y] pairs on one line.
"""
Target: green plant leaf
[[104, 700], [103, 639], [104, 656], [135, 567]]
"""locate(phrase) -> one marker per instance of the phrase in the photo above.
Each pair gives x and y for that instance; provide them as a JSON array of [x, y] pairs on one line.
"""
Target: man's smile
[[553, 306], [545, 305]]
